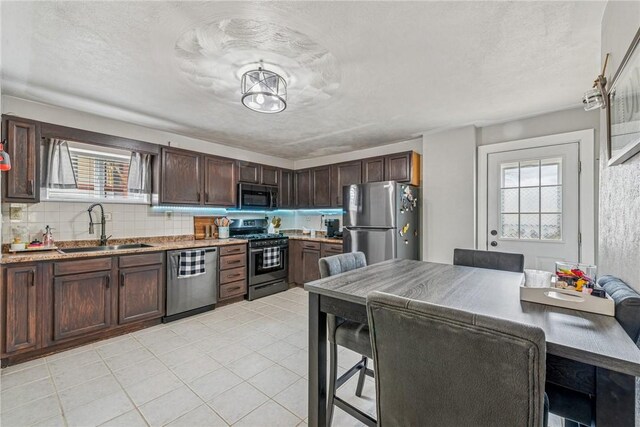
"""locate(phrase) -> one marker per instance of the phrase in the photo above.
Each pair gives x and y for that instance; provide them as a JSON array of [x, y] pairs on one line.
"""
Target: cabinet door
[[303, 188], [344, 174], [180, 177], [81, 304], [310, 269], [321, 185], [398, 167], [23, 146], [220, 181], [249, 173], [373, 169], [269, 175], [141, 293], [21, 312], [285, 189]]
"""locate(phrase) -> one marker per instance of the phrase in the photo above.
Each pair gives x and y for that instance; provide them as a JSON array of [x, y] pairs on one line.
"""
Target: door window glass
[[531, 199]]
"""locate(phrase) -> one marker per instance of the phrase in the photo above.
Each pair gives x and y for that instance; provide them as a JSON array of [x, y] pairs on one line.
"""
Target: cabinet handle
[[122, 280], [108, 281], [206, 197], [32, 277], [235, 261], [30, 187], [235, 275], [198, 196]]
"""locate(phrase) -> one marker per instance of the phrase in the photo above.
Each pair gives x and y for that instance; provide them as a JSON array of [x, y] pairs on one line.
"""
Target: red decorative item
[[5, 161]]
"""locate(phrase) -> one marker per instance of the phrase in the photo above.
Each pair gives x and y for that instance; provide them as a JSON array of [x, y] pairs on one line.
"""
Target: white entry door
[[533, 204]]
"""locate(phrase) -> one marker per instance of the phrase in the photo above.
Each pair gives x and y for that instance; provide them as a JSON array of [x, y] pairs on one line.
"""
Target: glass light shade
[[264, 91], [593, 99]]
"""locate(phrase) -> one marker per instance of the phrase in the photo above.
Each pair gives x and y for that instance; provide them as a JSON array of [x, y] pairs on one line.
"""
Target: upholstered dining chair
[[438, 366], [348, 334], [489, 259], [577, 408]]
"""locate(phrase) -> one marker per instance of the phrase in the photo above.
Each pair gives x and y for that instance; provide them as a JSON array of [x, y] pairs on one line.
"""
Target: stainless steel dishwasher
[[191, 295]]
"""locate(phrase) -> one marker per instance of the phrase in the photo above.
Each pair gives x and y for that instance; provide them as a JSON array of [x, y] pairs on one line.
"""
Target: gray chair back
[[437, 366], [627, 303], [336, 264], [489, 259]]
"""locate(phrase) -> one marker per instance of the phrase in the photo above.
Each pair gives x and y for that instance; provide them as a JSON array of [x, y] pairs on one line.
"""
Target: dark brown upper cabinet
[[285, 189], [220, 181], [303, 188], [249, 172], [344, 174], [180, 177], [269, 175], [373, 170], [321, 186], [20, 291], [403, 167], [22, 182]]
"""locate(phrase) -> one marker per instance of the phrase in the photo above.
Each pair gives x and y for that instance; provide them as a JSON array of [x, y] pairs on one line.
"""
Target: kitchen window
[[75, 171]]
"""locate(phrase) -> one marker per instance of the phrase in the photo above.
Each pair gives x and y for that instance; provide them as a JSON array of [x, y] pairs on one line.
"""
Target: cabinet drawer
[[83, 266], [142, 259], [332, 247], [233, 250], [233, 289], [233, 261], [311, 245], [233, 275]]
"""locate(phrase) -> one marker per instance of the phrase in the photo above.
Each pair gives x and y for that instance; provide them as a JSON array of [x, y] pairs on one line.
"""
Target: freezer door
[[378, 244], [369, 205]]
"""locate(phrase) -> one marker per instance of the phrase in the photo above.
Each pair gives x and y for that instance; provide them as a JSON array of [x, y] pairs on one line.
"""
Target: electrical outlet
[[107, 216]]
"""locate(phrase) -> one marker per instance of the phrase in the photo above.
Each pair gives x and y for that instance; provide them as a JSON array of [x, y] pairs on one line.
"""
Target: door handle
[[494, 243]]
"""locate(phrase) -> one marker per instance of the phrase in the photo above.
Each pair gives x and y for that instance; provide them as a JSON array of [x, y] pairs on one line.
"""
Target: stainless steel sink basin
[[104, 248]]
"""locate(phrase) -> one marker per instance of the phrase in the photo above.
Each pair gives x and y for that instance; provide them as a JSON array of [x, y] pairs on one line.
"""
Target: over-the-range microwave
[[261, 197]]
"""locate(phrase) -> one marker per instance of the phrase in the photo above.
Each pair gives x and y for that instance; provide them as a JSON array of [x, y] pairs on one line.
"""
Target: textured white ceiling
[[360, 74]]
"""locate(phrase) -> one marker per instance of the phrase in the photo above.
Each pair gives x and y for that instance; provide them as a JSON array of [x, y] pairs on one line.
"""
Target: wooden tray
[[568, 299], [199, 226]]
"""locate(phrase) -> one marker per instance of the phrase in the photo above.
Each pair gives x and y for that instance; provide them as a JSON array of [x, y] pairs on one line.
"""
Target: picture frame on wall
[[623, 108]]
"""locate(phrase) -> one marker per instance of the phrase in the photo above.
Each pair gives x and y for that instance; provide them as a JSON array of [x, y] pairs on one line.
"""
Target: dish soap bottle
[[47, 237]]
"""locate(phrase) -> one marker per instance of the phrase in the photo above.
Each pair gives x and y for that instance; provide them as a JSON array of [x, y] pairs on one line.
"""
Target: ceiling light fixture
[[263, 91], [597, 96]]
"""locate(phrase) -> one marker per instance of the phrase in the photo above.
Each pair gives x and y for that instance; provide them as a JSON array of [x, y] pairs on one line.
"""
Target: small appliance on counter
[[333, 227]]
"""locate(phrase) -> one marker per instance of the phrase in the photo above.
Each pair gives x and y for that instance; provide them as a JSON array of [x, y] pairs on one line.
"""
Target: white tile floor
[[244, 365]]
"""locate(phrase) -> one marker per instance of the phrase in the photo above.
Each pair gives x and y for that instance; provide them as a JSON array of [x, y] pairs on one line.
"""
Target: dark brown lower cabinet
[[140, 294], [21, 314], [310, 269], [304, 256], [81, 304]]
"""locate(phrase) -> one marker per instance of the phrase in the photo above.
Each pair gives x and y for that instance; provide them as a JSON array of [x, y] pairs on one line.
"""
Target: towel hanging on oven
[[271, 257], [191, 263]]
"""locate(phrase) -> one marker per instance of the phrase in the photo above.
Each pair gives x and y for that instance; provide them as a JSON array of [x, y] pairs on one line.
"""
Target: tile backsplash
[[70, 220]]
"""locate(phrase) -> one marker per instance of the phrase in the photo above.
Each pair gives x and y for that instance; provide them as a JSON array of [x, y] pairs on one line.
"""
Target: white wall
[[77, 119], [409, 145], [448, 193]]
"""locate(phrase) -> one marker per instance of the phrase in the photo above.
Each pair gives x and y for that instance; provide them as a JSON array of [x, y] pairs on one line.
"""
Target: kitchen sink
[[104, 248]]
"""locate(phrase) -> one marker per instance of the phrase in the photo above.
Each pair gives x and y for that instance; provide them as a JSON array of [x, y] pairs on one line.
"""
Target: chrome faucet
[[103, 224]]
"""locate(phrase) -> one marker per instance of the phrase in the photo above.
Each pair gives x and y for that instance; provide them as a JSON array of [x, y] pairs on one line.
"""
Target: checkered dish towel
[[270, 257], [191, 263]]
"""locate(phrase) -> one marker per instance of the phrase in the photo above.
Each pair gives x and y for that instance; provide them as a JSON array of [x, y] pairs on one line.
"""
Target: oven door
[[254, 197], [259, 274]]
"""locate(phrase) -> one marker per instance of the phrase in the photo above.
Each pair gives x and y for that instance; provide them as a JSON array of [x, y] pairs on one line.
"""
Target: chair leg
[[361, 375], [333, 375]]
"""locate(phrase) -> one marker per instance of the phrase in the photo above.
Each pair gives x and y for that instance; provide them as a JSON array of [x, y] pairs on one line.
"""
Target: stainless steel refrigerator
[[382, 220]]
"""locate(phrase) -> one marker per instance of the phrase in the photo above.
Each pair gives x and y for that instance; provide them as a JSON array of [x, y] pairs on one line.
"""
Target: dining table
[[586, 352]]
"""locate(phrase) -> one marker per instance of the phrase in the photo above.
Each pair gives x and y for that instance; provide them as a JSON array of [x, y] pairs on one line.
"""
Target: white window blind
[[101, 175]]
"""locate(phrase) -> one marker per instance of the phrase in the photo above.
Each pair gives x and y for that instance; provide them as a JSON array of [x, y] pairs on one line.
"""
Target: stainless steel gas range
[[267, 257]]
